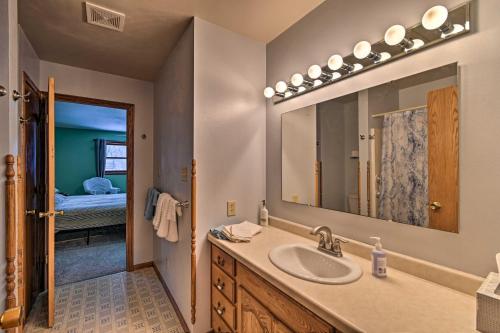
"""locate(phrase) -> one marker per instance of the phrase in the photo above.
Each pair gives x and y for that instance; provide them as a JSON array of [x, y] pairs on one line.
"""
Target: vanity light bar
[[436, 18]]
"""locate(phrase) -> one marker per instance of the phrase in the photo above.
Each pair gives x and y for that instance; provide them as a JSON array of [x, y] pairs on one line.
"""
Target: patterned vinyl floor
[[121, 302]]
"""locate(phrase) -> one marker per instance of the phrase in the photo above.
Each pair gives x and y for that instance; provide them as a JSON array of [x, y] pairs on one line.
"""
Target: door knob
[[30, 212], [435, 205], [50, 214], [3, 91], [11, 318]]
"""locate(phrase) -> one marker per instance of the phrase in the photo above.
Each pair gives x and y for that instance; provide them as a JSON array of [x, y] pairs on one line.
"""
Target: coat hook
[[143, 136], [17, 95]]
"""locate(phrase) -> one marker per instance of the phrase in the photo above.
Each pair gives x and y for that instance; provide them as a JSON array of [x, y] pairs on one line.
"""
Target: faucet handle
[[337, 239]]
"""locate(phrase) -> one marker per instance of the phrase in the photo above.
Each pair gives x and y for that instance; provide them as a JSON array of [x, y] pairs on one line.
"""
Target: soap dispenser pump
[[379, 259]]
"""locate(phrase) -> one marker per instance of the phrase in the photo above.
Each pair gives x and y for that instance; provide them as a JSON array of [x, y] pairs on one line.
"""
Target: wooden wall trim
[[10, 231], [193, 242]]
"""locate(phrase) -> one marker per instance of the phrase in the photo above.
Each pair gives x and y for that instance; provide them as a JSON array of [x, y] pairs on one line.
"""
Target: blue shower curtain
[[404, 173]]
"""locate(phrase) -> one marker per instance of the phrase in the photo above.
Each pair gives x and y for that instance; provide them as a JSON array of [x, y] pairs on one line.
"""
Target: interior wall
[[299, 155], [8, 113], [417, 95], [229, 138], [29, 62], [173, 151], [86, 83], [76, 147], [328, 30]]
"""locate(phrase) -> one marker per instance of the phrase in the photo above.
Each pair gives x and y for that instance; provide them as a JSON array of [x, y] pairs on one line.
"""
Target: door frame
[[21, 166], [130, 109]]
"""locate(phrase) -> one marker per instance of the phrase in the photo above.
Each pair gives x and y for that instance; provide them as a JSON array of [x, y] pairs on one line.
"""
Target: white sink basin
[[308, 263]]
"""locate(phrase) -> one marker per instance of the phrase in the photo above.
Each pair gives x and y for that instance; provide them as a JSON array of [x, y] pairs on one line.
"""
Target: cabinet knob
[[220, 285], [220, 309], [220, 260]]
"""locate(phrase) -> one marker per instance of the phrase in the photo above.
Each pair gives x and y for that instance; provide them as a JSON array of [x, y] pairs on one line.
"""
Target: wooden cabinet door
[[279, 327], [253, 316]]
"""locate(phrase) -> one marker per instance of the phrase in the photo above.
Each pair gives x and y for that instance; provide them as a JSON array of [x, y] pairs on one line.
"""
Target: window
[[116, 158]]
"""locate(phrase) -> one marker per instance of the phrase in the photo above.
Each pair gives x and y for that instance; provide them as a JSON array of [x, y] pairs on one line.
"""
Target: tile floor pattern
[[122, 302]]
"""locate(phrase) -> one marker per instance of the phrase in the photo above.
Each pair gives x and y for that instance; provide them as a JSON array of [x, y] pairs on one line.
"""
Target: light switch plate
[[231, 208], [184, 174]]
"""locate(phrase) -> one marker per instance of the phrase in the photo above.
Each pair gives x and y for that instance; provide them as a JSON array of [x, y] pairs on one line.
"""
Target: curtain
[[404, 182], [100, 157]]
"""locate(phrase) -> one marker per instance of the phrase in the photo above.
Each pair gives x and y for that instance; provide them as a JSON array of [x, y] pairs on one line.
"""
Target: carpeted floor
[[77, 261], [131, 302]]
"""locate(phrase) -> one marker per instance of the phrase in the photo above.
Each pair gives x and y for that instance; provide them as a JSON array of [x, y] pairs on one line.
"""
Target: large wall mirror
[[388, 152]]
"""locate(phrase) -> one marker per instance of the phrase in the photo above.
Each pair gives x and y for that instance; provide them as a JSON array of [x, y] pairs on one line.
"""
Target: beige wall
[[173, 150], [82, 82], [8, 114], [29, 62], [336, 26], [299, 155], [229, 138]]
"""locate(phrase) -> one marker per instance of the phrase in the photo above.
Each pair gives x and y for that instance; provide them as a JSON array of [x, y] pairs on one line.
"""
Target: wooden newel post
[[10, 230]]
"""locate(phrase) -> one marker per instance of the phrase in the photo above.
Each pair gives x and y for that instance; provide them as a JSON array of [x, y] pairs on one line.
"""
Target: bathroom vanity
[[250, 294]]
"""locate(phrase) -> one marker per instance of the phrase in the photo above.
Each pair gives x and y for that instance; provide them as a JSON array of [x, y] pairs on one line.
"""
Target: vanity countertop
[[399, 303]]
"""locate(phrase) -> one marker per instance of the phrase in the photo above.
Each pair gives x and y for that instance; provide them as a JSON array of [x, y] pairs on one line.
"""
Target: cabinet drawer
[[222, 282], [223, 308], [218, 325], [223, 260]]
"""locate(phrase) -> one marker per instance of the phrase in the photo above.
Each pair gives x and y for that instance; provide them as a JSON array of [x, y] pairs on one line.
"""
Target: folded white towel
[[165, 219], [241, 232]]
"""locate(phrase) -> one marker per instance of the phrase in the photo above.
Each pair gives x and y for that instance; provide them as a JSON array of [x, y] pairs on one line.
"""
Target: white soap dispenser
[[379, 259], [264, 214]]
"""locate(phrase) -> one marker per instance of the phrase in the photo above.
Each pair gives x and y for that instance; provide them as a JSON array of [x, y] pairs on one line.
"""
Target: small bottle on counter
[[379, 259], [264, 215]]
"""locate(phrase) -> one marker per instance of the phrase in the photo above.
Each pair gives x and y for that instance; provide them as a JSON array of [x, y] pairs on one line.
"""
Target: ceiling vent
[[104, 17]]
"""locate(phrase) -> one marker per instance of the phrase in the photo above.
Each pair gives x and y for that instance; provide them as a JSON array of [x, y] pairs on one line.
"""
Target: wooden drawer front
[[223, 308], [222, 282], [223, 260], [218, 325], [285, 309]]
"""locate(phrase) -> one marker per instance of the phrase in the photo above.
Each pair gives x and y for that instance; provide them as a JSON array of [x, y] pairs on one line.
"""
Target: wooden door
[[32, 194], [253, 316], [442, 105], [50, 212]]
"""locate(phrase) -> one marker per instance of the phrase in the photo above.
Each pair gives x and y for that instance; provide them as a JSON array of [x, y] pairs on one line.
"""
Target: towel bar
[[183, 204]]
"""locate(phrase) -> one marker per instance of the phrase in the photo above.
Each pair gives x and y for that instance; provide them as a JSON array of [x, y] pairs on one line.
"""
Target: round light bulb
[[297, 79], [288, 94], [317, 83], [384, 56], [314, 71], [335, 62], [362, 49], [281, 87], [395, 35], [435, 17], [268, 92], [301, 89]]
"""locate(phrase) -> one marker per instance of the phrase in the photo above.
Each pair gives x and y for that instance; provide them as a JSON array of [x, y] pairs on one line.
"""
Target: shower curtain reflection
[[404, 171]]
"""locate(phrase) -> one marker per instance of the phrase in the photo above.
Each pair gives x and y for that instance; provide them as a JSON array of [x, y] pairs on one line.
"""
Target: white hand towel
[[165, 220]]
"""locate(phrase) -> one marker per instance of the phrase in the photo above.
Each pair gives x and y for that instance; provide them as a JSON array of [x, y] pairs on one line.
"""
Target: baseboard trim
[[171, 298], [143, 265]]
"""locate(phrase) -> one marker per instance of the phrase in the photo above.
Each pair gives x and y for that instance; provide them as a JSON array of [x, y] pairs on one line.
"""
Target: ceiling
[[83, 116], [57, 32]]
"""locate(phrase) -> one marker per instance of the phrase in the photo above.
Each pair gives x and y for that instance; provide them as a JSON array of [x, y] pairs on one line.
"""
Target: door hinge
[[46, 259]]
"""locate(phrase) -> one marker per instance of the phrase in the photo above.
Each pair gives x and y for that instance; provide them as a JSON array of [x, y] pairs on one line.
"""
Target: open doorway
[[87, 233], [91, 190]]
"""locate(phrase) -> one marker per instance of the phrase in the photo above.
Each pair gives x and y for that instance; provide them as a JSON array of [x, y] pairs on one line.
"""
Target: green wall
[[75, 159]]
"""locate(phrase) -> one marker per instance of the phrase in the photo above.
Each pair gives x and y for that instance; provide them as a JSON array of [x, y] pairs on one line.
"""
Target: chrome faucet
[[327, 242]]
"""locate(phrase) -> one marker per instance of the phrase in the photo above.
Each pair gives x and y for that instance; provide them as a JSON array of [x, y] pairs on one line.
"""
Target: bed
[[90, 211]]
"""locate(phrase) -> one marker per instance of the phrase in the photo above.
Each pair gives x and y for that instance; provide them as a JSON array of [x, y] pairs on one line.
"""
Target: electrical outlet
[[231, 208]]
